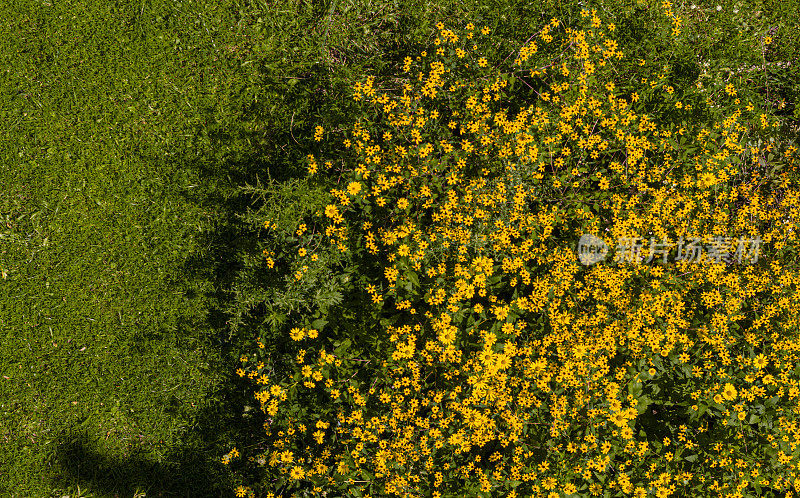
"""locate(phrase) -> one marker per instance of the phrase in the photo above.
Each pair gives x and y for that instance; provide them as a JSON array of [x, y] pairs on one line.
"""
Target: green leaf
[[643, 403], [342, 347], [412, 277]]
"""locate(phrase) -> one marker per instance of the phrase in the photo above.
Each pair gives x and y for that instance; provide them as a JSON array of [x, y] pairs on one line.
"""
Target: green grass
[[112, 365], [125, 239]]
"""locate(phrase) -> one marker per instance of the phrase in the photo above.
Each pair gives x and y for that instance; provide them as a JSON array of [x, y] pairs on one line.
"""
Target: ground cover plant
[[436, 334], [149, 143]]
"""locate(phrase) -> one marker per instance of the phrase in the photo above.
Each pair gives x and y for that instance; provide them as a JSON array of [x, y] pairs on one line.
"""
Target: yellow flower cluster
[[509, 365]]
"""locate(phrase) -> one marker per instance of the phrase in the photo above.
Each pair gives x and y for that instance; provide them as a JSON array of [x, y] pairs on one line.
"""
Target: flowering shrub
[[489, 361]]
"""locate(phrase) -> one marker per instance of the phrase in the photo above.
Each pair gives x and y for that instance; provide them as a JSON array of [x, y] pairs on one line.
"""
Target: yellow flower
[[297, 473], [767, 40], [353, 188], [318, 133], [331, 211], [503, 362], [760, 361], [448, 336], [313, 333], [707, 179], [297, 334], [729, 392], [619, 419]]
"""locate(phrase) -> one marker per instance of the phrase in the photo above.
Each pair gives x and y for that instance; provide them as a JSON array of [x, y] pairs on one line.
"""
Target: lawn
[[122, 123]]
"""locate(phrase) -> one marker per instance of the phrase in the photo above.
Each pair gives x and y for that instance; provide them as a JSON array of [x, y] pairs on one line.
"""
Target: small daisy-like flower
[[447, 336], [297, 473], [353, 188], [331, 211], [706, 180], [729, 392], [618, 419]]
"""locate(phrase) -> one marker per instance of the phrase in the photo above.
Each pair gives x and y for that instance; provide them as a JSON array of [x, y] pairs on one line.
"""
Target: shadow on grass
[[191, 468], [83, 461]]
